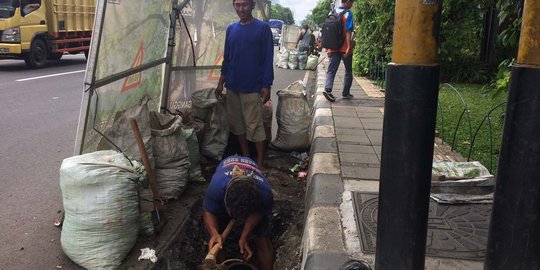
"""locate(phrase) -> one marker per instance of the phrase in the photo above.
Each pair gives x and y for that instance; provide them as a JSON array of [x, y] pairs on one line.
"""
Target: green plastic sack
[[101, 209], [194, 172]]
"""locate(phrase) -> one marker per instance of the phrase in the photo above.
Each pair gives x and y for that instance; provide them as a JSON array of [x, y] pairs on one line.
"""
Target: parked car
[[276, 35]]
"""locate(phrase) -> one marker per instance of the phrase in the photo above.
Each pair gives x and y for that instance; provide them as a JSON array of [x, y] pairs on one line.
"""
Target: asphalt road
[[39, 112], [37, 131]]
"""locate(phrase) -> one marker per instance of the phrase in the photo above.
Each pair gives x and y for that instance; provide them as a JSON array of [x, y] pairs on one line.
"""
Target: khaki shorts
[[245, 115]]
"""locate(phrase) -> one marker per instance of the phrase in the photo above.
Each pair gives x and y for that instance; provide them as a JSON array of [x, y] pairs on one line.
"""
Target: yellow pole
[[416, 32], [529, 43]]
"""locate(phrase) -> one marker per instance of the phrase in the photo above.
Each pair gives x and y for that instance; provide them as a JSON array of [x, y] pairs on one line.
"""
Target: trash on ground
[[302, 174], [148, 254]]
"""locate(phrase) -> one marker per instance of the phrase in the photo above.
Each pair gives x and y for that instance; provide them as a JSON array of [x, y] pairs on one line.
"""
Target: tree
[[282, 13], [319, 13]]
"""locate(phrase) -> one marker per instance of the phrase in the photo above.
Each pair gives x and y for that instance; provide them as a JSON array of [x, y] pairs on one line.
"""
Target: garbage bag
[[302, 60], [101, 210], [213, 113], [195, 174], [293, 119], [171, 155], [312, 62], [293, 60], [283, 60]]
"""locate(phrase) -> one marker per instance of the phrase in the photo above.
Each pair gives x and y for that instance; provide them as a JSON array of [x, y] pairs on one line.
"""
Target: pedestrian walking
[[343, 53], [304, 40], [247, 73]]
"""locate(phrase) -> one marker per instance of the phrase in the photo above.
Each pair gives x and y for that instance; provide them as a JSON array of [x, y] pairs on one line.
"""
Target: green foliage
[[282, 13], [460, 39], [374, 20], [479, 104], [318, 14], [500, 84]]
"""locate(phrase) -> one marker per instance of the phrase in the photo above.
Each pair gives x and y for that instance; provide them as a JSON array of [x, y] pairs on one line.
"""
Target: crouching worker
[[238, 190]]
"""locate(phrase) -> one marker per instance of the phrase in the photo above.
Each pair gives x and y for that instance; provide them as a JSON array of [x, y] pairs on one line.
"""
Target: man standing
[[343, 53], [239, 190], [248, 74]]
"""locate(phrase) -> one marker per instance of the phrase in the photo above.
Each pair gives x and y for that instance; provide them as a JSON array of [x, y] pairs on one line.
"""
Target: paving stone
[[349, 131], [356, 158], [372, 120], [360, 173], [367, 110], [347, 122], [346, 112], [369, 115], [353, 139], [354, 148], [373, 125]]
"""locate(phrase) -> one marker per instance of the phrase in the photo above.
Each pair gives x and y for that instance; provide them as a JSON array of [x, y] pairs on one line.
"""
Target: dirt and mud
[[189, 249]]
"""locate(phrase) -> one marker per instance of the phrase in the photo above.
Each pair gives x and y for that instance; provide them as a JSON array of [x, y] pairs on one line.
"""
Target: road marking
[[51, 75]]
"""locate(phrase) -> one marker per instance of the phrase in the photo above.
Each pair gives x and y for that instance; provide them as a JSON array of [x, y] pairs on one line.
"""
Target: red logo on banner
[[215, 74], [134, 81]]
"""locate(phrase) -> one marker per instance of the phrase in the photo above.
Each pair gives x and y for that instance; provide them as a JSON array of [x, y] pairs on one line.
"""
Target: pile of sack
[[293, 59]]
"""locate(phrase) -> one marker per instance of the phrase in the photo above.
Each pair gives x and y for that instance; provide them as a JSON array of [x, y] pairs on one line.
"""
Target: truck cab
[[41, 30]]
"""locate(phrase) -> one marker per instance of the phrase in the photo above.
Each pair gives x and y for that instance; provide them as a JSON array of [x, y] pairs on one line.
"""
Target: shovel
[[209, 261]]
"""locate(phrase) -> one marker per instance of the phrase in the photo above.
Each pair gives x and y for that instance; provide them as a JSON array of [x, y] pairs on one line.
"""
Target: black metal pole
[[408, 137], [514, 232]]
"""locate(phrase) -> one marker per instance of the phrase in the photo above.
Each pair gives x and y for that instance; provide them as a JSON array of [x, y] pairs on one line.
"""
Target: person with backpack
[[337, 34]]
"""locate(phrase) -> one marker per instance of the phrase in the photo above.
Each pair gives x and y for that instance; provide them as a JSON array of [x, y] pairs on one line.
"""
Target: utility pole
[[514, 233], [408, 136]]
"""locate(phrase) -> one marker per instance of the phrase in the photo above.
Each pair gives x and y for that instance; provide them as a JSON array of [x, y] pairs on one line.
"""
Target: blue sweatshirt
[[248, 57]]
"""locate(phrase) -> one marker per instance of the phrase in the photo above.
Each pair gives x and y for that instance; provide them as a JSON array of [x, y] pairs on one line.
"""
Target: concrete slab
[[354, 159], [346, 112], [323, 230], [324, 190], [326, 131], [323, 163], [349, 131], [369, 115], [324, 145], [354, 148], [347, 122], [353, 139], [357, 172]]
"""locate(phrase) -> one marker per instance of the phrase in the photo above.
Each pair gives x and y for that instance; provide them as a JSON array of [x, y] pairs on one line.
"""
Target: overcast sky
[[300, 8]]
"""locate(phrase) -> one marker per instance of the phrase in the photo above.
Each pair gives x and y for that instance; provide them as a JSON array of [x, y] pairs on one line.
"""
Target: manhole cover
[[454, 231]]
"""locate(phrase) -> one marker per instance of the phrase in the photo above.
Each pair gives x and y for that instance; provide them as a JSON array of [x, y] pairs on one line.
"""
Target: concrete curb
[[323, 246]]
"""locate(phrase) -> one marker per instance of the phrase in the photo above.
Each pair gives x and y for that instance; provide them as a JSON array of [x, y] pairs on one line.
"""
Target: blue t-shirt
[[214, 198], [248, 57]]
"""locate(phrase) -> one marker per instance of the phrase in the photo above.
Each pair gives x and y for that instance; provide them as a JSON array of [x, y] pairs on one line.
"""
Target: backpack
[[332, 30]]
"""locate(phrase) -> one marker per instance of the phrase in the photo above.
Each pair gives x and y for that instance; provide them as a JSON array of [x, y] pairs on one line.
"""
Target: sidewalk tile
[[357, 158], [347, 122], [360, 173], [364, 109], [354, 148], [347, 112], [370, 115], [353, 139]]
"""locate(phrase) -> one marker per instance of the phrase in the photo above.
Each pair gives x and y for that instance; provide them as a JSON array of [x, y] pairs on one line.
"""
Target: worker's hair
[[242, 197], [252, 1]]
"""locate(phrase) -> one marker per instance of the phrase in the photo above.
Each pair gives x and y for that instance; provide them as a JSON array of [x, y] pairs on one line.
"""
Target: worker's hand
[[215, 240], [265, 95], [219, 92], [245, 249]]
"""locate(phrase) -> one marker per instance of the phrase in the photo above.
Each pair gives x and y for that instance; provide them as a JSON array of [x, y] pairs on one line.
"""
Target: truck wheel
[[55, 56], [37, 56]]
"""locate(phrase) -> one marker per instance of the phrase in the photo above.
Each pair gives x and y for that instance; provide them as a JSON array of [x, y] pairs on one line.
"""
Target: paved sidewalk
[[345, 158]]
